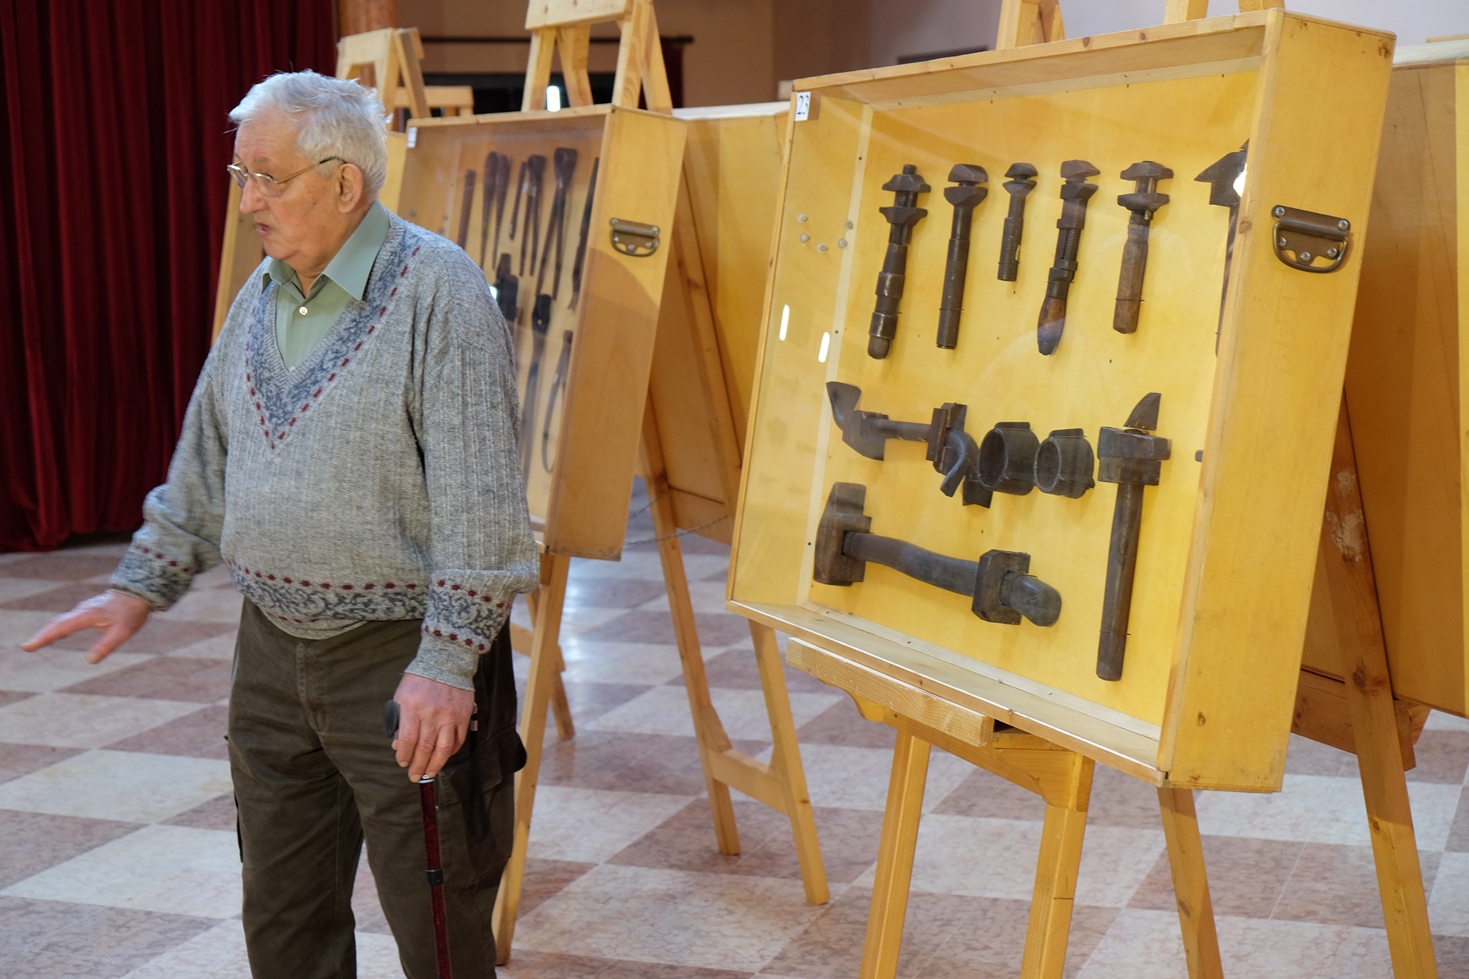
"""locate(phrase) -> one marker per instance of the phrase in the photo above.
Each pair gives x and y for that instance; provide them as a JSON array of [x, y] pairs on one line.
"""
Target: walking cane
[[430, 848]]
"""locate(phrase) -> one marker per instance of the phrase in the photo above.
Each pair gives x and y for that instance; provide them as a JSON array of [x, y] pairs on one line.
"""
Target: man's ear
[[350, 187]]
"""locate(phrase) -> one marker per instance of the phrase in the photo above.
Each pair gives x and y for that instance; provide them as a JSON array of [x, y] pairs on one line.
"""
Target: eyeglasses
[[267, 185]]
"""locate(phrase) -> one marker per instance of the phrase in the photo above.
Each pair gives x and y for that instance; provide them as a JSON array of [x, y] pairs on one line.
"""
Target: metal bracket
[[633, 238], [1302, 237]]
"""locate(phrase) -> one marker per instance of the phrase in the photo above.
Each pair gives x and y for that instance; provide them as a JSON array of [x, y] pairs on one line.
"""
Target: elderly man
[[350, 453]]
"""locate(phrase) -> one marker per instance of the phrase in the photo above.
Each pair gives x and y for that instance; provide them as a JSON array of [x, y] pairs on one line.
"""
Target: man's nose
[[251, 200]]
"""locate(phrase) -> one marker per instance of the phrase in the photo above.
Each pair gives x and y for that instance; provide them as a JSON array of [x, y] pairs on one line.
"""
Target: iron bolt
[[821, 247], [801, 218], [1332, 253], [1279, 212], [1305, 258], [1280, 242], [805, 237], [841, 243], [1344, 224]]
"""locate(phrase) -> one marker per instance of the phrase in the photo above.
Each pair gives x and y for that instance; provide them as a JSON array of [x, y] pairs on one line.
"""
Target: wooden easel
[[387, 61], [1358, 714], [561, 26]]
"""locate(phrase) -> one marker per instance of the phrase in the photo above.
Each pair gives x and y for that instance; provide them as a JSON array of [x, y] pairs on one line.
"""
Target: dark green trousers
[[314, 774]]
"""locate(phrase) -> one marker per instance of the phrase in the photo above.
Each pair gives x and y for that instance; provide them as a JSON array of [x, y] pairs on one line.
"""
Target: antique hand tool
[[1063, 464], [428, 805], [586, 228], [540, 325], [564, 165], [535, 175], [465, 209], [951, 450], [558, 385], [902, 215], [1020, 184], [1222, 176], [1131, 458], [1142, 203], [999, 583], [502, 186], [1075, 192], [1007, 458], [965, 195], [497, 177], [507, 289], [520, 179]]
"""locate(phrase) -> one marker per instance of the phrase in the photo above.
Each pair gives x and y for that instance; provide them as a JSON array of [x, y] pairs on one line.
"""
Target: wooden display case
[[1404, 380], [1229, 534], [582, 416]]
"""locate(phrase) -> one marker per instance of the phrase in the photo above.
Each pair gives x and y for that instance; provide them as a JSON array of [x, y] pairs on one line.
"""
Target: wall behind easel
[[1413, 22]]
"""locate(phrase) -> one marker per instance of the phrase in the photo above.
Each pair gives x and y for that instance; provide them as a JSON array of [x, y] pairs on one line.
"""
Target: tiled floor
[[119, 854]]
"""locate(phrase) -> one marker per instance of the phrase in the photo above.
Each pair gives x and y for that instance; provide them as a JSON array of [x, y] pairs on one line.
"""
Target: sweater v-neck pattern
[[283, 397]]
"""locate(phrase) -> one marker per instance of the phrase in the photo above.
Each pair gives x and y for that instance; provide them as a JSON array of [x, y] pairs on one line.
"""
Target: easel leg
[[543, 662], [895, 858], [785, 763], [1363, 665], [708, 729], [1190, 883], [1055, 881], [560, 706]]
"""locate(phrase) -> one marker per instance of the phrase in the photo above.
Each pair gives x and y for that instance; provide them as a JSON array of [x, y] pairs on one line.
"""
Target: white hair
[[333, 117]]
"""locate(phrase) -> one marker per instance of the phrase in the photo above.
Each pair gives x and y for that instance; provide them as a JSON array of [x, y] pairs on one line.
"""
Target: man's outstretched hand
[[433, 721], [118, 615]]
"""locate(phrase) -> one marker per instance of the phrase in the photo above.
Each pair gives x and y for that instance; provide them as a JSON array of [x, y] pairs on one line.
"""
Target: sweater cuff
[[155, 577], [445, 660]]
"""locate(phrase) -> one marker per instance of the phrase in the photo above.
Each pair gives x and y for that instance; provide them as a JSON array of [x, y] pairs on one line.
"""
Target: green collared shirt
[[302, 321]]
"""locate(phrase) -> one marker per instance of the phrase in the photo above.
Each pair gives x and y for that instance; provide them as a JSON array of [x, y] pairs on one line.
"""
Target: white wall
[[1413, 21]]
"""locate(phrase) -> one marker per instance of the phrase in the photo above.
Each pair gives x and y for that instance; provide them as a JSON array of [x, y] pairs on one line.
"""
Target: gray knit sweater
[[377, 480]]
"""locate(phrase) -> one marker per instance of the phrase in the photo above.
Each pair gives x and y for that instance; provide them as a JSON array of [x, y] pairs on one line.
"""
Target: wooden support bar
[[785, 763], [560, 707], [1190, 883], [1375, 727], [554, 569], [708, 729], [573, 45], [1323, 713], [1054, 895], [1025, 22], [538, 70], [895, 858], [1181, 10]]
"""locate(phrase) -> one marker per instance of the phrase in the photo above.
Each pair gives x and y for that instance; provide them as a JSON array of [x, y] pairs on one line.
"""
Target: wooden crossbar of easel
[[1358, 714], [561, 28], [389, 61]]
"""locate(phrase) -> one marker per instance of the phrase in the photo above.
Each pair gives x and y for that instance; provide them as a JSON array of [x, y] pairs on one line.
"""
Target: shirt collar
[[352, 264]]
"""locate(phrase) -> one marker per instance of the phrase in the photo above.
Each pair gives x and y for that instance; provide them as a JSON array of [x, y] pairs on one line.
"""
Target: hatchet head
[[853, 423], [1221, 176]]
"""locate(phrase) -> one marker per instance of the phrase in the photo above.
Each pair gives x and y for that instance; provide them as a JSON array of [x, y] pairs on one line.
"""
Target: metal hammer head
[[967, 176], [844, 398], [843, 514], [1021, 171]]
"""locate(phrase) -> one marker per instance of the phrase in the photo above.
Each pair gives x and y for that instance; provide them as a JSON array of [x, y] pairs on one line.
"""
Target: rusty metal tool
[[1222, 176], [1019, 186], [1063, 464], [507, 289], [558, 385], [429, 807], [999, 583], [564, 166], [1075, 193], [540, 325], [586, 229], [1132, 458], [497, 182], [1143, 203], [902, 214], [951, 450], [1007, 459], [965, 195], [519, 194], [535, 176], [465, 210]]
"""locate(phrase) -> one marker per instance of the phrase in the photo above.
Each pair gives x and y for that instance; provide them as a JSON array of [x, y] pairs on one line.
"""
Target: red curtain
[[114, 135]]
